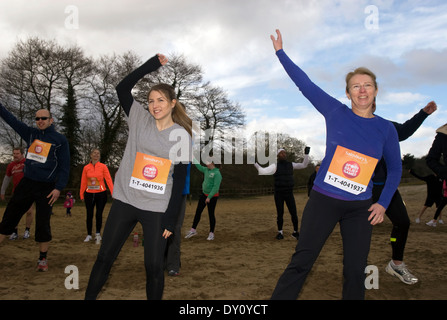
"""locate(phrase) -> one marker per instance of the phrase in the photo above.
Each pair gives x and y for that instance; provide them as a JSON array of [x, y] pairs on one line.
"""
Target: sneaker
[[13, 236], [279, 236], [440, 221], [98, 238], [210, 236], [401, 272], [42, 265], [173, 273], [431, 223], [190, 234], [26, 234], [296, 235], [418, 220], [88, 238]]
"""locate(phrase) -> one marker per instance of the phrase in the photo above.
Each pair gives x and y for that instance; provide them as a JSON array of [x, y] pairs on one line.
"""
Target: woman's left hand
[[377, 213], [166, 234]]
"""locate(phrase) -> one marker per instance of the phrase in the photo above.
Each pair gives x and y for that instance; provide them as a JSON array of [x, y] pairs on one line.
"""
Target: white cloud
[[230, 40]]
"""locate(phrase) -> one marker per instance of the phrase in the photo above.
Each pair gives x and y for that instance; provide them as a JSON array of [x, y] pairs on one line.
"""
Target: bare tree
[[104, 114], [76, 68], [30, 80], [185, 77], [217, 114]]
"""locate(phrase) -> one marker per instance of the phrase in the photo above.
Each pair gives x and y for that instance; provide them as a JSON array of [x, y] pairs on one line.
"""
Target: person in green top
[[210, 194]]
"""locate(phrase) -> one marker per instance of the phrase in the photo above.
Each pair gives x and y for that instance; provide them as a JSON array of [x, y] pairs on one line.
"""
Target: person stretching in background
[[14, 172], [437, 151], [93, 192], [282, 172], [47, 168], [396, 211], [434, 192], [210, 193]]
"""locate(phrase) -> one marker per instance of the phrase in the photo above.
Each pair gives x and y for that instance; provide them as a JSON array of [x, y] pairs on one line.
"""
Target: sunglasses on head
[[42, 118]]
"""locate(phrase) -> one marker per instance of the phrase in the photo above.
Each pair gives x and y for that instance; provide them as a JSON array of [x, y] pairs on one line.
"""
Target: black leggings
[[211, 207], [440, 208], [119, 225], [91, 200], [289, 199], [397, 212], [320, 216]]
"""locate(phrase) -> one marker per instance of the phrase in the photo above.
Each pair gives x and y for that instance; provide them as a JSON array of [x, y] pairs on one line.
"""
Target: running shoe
[[13, 236], [98, 238], [210, 236], [418, 220], [296, 235], [440, 221], [88, 238], [173, 273], [42, 265], [26, 234], [431, 223], [190, 234], [401, 271], [279, 236]]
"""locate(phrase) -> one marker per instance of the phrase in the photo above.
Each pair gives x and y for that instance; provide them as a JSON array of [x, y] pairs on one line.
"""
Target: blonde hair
[[179, 115], [361, 70]]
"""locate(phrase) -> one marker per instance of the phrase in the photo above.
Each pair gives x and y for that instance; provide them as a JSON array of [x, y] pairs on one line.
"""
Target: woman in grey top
[[149, 183]]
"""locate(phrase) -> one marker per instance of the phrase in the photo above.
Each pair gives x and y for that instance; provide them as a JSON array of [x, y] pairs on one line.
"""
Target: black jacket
[[438, 149]]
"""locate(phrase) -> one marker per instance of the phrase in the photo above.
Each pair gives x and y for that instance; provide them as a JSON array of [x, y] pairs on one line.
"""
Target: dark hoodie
[[438, 148], [56, 168]]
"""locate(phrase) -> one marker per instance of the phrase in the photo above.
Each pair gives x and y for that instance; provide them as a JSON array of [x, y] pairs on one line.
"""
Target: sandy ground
[[242, 263]]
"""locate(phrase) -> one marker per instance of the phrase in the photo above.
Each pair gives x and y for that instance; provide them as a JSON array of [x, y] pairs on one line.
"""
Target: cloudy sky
[[403, 42]]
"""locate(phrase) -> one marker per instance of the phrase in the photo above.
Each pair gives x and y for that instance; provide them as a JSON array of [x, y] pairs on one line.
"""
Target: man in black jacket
[[46, 173], [397, 211]]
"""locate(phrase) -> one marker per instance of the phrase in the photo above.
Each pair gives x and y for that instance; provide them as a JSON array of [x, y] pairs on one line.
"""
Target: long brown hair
[[179, 115]]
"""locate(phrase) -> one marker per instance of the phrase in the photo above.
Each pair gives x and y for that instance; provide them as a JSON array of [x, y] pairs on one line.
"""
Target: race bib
[[350, 171], [150, 173], [93, 184], [38, 151]]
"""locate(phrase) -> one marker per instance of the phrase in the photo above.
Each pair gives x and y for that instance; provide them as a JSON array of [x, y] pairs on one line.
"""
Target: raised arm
[[406, 129], [323, 102], [302, 165], [124, 88]]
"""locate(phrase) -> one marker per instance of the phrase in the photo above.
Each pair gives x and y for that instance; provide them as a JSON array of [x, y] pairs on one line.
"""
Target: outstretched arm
[[124, 88]]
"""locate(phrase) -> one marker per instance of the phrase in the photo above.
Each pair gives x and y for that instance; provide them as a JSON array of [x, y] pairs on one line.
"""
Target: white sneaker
[[88, 238], [26, 234], [401, 271], [431, 223], [418, 220], [440, 221], [190, 234], [98, 238], [210, 236], [13, 236]]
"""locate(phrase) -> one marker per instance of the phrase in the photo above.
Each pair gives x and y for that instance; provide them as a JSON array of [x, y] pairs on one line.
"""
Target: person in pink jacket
[[94, 193]]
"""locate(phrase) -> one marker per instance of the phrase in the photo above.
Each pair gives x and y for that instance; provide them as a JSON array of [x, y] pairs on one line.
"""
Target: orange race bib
[[350, 171], [150, 173], [93, 184], [38, 151]]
